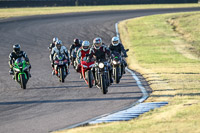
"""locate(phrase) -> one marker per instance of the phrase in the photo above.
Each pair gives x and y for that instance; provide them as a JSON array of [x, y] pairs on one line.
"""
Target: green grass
[[15, 12], [165, 50]]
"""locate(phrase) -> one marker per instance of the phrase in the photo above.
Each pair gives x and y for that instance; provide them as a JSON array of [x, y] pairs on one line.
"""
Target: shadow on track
[[55, 87], [68, 100]]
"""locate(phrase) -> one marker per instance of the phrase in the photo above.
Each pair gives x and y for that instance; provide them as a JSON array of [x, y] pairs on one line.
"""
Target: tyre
[[117, 76], [62, 79], [89, 78], [103, 84], [108, 79], [23, 81]]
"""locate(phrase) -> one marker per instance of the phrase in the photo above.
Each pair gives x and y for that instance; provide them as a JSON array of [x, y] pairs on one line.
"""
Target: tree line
[[40, 3]]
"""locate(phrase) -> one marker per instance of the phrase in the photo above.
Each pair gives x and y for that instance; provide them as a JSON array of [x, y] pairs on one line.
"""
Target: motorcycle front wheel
[[117, 76], [103, 84], [23, 81], [89, 78], [62, 79]]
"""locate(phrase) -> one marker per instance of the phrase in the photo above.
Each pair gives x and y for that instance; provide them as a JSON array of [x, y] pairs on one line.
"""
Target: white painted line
[[144, 92]]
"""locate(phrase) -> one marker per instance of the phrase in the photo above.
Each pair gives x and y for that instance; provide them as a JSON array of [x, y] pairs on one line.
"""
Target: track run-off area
[[47, 105]]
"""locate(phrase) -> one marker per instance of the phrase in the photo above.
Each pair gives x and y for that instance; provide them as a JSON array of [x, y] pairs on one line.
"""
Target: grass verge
[[165, 50], [16, 12]]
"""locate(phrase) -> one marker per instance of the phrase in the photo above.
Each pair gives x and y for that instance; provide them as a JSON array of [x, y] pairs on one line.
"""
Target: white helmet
[[55, 39], [115, 41], [85, 45], [58, 44], [97, 42]]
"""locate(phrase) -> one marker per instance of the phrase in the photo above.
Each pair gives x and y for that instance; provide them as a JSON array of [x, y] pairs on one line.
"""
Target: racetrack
[[48, 105]]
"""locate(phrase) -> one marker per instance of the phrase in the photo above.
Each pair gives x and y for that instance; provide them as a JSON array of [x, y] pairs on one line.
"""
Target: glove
[[125, 55]]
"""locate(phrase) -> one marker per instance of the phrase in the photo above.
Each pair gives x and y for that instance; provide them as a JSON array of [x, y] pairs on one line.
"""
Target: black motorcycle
[[117, 65], [102, 76], [61, 67]]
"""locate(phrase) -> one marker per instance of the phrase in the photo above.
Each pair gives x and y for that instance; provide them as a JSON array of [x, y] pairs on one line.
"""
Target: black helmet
[[76, 41], [16, 48]]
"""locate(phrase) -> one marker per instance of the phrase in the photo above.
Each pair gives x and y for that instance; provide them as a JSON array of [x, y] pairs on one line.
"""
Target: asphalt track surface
[[48, 105]]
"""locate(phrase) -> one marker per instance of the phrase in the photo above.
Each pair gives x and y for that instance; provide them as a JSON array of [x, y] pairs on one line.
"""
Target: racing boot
[[29, 74], [11, 72], [111, 80], [53, 72], [81, 76], [95, 81]]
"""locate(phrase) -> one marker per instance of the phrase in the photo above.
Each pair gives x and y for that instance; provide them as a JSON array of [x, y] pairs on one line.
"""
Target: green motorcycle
[[21, 72]]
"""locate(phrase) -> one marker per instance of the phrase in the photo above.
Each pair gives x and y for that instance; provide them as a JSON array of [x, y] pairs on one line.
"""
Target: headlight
[[101, 65], [16, 69], [114, 62]]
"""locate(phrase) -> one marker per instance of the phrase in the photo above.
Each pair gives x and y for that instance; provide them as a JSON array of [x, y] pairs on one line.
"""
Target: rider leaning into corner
[[17, 53], [81, 55], [115, 46], [100, 52], [59, 49], [53, 44]]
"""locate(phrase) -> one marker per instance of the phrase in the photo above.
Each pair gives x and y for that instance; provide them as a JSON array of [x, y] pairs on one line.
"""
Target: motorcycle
[[102, 76], [61, 67], [117, 65], [20, 69], [87, 73]]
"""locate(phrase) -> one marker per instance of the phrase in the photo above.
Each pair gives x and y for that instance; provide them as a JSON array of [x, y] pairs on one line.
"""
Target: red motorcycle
[[87, 73]]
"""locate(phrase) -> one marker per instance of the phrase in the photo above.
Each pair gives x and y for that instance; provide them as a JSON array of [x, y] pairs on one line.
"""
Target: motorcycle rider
[[59, 48], [116, 46], [100, 51], [52, 45], [17, 53], [81, 55], [74, 45]]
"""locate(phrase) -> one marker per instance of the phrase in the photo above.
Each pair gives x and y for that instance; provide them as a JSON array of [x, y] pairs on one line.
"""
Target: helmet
[[115, 41], [76, 41], [55, 39], [85, 45], [58, 44], [16, 48], [97, 42]]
